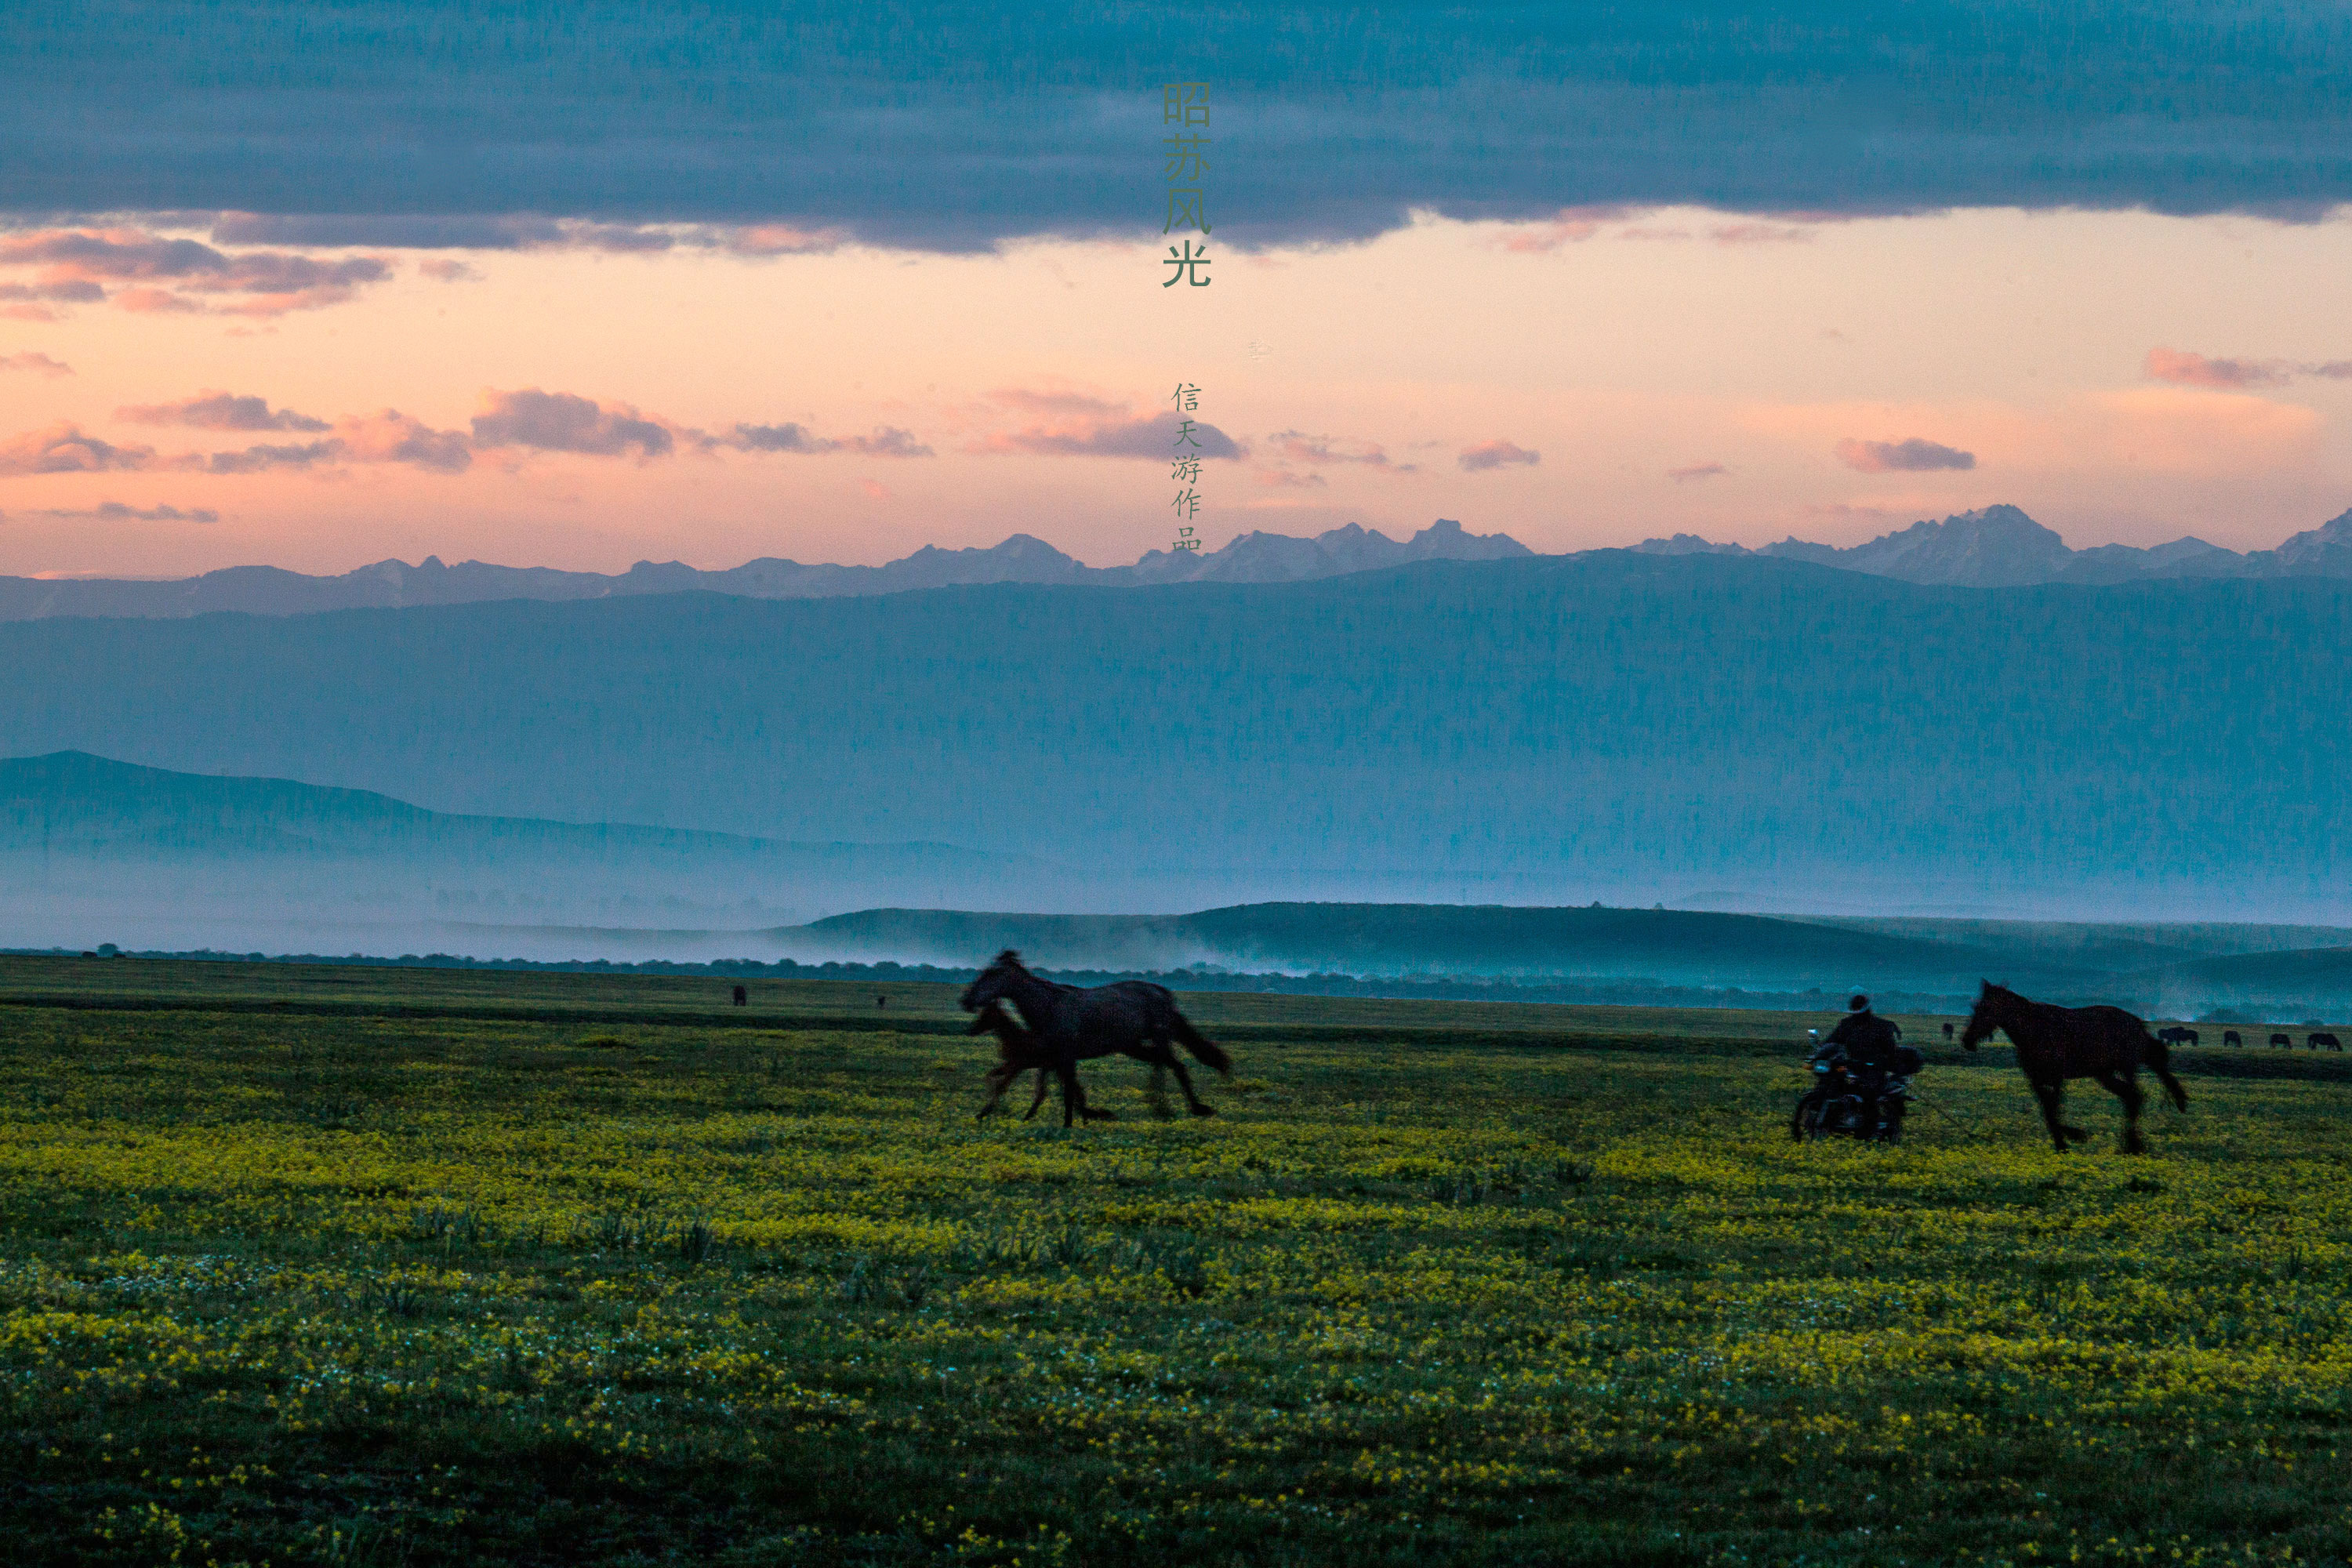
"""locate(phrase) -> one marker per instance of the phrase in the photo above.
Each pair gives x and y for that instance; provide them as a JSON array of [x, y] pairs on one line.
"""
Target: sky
[[576, 287]]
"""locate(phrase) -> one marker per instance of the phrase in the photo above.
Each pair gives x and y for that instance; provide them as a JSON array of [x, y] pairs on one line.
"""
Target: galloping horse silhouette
[[1073, 1023], [2055, 1044]]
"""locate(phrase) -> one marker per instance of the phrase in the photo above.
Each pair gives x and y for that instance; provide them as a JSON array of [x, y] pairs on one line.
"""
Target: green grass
[[422, 1267]]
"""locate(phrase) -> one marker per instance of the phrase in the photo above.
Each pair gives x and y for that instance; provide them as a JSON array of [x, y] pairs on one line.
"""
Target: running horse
[[2055, 1044], [1072, 1024]]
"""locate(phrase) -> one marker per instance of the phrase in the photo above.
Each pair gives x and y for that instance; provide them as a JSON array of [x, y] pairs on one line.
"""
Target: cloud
[[1495, 455], [2195, 370], [1697, 471], [561, 422], [391, 436], [775, 439], [837, 115], [1074, 424], [1569, 226], [1298, 447], [266, 459], [65, 448], [36, 365], [443, 270], [874, 489], [887, 441], [219, 411], [515, 231], [2184, 369], [1283, 478], [70, 292], [116, 511], [79, 266], [156, 302], [1911, 457], [1759, 234]]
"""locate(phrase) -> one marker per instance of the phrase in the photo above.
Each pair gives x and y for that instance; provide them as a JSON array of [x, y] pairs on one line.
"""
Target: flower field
[[349, 1286]]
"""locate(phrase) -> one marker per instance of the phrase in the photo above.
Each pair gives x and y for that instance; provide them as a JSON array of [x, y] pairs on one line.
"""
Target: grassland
[[397, 1266]]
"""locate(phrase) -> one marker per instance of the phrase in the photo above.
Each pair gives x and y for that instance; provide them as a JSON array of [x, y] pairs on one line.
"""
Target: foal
[[1018, 1051]]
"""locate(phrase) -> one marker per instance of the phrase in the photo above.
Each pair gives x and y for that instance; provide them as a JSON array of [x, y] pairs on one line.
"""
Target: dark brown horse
[[1017, 1051], [2055, 1044], [1130, 1018]]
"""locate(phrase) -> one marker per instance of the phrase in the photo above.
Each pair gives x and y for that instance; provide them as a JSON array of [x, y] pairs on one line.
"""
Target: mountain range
[[1998, 546], [392, 585], [1737, 733]]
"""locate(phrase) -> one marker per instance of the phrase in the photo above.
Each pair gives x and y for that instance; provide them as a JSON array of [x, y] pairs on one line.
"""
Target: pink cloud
[[154, 302], [1909, 457], [779, 239], [1282, 478], [270, 457], [1697, 471], [1569, 226], [1298, 447], [887, 441], [1496, 454], [1759, 234], [78, 264], [874, 489], [443, 270], [36, 364], [391, 436], [211, 410], [26, 312], [70, 291], [2185, 369], [561, 422], [1074, 424], [64, 448]]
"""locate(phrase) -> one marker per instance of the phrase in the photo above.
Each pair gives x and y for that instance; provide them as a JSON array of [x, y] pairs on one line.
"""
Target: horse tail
[[2158, 1057], [1205, 1051]]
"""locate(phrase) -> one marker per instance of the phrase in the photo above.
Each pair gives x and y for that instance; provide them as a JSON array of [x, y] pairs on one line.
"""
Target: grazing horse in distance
[[2177, 1037], [1948, 1031], [2286, 1040], [2330, 1041], [1018, 1051], [2055, 1044], [2231, 1038], [1129, 1017]]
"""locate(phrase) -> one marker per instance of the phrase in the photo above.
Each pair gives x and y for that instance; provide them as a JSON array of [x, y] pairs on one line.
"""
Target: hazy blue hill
[[1613, 722], [1671, 945], [93, 850], [74, 802], [2287, 984]]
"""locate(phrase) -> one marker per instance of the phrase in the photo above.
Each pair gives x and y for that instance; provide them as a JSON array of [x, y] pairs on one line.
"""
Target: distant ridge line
[[1995, 546]]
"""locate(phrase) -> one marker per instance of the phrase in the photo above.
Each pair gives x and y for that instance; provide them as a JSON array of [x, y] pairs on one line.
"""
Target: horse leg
[[2124, 1087], [2052, 1096], [1038, 1098], [1073, 1097], [2178, 1096], [1184, 1082], [999, 1079]]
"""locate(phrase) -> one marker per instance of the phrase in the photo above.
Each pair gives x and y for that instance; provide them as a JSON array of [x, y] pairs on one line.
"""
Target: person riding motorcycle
[[1878, 1065]]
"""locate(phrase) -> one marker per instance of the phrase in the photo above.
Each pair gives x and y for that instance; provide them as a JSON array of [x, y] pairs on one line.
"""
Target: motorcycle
[[1836, 1106]]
